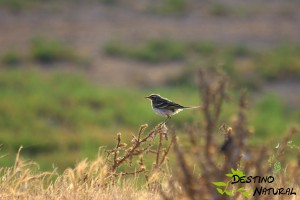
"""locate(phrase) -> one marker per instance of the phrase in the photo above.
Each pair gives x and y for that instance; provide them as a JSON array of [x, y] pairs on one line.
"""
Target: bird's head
[[153, 97]]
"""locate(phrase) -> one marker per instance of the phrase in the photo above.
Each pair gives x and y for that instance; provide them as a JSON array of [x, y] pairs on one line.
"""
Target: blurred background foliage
[[74, 73]]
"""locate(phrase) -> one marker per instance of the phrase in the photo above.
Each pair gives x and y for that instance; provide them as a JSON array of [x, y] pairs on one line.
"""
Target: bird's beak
[[147, 97]]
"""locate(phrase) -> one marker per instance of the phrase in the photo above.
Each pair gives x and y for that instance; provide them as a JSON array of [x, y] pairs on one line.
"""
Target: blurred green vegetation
[[16, 5], [245, 66], [108, 2], [47, 50], [55, 114], [62, 118], [167, 7], [282, 62], [272, 118], [11, 58], [152, 51], [219, 9]]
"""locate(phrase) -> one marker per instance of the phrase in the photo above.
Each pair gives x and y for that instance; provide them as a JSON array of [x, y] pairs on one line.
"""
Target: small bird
[[165, 107]]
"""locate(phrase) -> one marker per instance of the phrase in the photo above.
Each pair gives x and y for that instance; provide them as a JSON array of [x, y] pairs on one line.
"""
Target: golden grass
[[85, 181], [88, 180]]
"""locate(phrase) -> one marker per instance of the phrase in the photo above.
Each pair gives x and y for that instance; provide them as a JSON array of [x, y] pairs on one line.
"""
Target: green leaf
[[246, 194], [229, 175], [220, 190], [277, 167], [240, 173], [219, 184], [240, 189], [229, 193], [233, 171]]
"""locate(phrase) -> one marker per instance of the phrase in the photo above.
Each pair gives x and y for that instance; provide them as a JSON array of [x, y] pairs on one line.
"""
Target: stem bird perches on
[[140, 146]]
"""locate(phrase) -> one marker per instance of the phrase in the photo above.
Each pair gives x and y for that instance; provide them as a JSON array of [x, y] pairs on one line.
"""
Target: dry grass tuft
[[103, 178], [85, 181]]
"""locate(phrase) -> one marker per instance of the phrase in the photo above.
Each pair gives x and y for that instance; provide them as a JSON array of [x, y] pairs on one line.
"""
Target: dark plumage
[[164, 106]]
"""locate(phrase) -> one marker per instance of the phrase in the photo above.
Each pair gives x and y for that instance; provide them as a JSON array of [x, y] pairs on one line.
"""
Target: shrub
[[172, 7], [49, 50], [218, 9], [161, 50], [14, 5], [282, 62], [115, 48], [11, 58], [205, 48]]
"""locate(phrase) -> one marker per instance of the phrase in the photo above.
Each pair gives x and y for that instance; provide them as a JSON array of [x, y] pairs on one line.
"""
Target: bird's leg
[[168, 117], [165, 133]]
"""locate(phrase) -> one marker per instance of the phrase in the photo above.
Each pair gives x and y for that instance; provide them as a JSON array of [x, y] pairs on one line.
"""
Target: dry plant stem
[[236, 141], [187, 176], [213, 96], [129, 173], [116, 149], [130, 152], [220, 92], [209, 122], [258, 167], [166, 152], [285, 142], [164, 195], [140, 146], [158, 150], [17, 159]]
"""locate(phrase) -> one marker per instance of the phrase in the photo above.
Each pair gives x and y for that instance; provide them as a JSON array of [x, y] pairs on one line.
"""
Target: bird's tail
[[192, 107]]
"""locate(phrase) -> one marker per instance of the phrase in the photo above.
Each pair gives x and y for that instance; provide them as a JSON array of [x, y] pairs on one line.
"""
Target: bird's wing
[[160, 104], [171, 105]]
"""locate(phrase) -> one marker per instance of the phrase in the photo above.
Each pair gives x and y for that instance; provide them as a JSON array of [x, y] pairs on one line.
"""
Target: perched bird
[[165, 107]]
